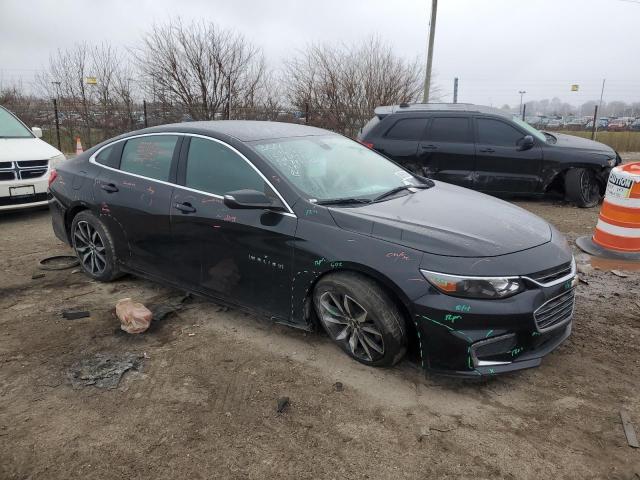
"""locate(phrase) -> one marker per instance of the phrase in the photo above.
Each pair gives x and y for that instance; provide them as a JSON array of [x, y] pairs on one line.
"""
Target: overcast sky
[[495, 47]]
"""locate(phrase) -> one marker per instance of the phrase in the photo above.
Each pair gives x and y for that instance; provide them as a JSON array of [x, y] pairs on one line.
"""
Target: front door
[[447, 150], [500, 166], [134, 198], [242, 256]]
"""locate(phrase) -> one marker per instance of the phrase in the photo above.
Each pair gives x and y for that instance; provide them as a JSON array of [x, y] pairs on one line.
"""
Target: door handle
[[109, 187], [428, 147], [486, 150], [185, 207]]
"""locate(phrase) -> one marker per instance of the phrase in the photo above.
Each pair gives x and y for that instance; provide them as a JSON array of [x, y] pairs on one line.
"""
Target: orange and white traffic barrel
[[617, 233]]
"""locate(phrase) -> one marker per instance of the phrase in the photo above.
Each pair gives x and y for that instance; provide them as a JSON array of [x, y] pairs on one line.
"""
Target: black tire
[[355, 333], [94, 247], [582, 187]]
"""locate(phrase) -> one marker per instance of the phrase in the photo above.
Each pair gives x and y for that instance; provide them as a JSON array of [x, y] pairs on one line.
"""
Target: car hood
[[19, 149], [448, 220], [571, 141]]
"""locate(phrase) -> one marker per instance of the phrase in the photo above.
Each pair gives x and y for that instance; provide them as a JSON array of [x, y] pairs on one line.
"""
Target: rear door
[[243, 256], [134, 195], [447, 151], [500, 166], [401, 139]]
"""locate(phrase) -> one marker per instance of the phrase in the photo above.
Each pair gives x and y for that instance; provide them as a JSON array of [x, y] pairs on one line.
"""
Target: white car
[[25, 163]]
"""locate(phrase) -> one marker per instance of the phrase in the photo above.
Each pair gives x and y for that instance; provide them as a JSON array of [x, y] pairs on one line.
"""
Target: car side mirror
[[250, 199], [525, 143], [37, 131]]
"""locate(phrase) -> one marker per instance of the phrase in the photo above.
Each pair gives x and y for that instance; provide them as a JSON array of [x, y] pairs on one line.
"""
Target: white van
[[25, 163]]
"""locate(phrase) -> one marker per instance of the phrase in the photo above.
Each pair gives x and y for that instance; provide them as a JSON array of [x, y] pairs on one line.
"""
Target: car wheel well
[[410, 326], [557, 184], [70, 215]]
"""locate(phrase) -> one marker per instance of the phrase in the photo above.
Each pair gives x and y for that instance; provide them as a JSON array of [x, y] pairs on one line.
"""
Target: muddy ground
[[204, 403]]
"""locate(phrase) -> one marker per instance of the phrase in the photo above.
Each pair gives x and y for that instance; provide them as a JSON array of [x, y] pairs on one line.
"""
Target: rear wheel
[[94, 247], [582, 187], [360, 317]]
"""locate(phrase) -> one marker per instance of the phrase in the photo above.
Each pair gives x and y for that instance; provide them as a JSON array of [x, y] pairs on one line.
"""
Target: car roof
[[383, 111], [243, 130]]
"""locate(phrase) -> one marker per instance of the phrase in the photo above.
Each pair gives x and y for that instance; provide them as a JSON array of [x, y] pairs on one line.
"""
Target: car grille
[[551, 274], [556, 311], [23, 170]]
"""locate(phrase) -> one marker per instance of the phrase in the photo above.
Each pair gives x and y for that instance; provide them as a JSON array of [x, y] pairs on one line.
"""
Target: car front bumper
[[478, 338], [37, 196]]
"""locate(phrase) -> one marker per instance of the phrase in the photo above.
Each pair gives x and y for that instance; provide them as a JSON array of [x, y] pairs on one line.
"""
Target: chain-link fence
[[62, 121]]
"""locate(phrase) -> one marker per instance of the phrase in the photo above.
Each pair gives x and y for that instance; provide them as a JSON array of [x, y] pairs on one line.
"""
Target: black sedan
[[309, 227]]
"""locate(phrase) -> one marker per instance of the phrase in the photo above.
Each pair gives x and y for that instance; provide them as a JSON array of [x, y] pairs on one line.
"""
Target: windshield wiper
[[401, 188], [343, 201]]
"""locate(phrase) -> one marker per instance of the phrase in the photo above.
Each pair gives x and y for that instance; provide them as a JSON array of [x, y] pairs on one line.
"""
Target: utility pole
[[229, 97], [432, 34], [594, 127], [595, 124], [56, 114], [521, 92], [455, 90]]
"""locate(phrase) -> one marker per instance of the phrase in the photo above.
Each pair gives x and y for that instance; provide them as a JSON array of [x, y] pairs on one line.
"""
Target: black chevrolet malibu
[[309, 227]]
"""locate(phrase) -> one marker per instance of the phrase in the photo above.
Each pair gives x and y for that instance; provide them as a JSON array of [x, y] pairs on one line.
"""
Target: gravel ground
[[203, 403]]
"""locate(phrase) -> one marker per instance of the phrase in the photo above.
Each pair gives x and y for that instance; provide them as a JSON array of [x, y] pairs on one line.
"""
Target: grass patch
[[619, 141]]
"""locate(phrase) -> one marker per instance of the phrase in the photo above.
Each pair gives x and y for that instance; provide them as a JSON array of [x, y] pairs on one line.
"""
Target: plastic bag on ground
[[134, 317]]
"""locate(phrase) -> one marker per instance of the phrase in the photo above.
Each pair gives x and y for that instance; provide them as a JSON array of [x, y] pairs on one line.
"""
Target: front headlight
[[612, 162], [53, 161], [474, 287]]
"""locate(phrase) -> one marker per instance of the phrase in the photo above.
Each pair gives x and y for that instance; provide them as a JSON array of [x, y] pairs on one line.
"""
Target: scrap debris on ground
[[103, 370], [75, 314]]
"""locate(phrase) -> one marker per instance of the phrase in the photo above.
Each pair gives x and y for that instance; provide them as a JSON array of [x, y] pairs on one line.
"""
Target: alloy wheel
[[349, 323], [588, 187], [90, 248]]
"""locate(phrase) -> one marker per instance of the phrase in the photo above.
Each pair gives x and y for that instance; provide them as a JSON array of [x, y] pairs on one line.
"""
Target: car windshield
[[332, 167], [10, 127], [530, 130]]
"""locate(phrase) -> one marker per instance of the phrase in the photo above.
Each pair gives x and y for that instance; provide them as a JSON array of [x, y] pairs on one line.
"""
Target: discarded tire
[[59, 262]]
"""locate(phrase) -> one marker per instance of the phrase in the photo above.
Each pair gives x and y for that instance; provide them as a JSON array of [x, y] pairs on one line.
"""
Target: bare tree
[[66, 79], [343, 84], [200, 67]]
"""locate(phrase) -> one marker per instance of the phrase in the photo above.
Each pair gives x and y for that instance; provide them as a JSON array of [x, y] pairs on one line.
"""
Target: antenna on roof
[[404, 105]]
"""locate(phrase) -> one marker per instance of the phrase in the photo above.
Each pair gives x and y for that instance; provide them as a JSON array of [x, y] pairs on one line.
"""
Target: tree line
[[201, 71]]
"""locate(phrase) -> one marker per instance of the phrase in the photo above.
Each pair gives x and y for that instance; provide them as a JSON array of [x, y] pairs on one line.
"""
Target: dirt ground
[[203, 404]]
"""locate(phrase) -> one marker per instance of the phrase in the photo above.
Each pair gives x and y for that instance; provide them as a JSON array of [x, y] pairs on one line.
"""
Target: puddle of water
[[610, 264]]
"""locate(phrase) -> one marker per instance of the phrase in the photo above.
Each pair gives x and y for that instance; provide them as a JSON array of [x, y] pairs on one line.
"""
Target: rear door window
[[497, 132], [407, 129], [450, 130], [214, 168], [104, 157], [149, 156], [369, 126]]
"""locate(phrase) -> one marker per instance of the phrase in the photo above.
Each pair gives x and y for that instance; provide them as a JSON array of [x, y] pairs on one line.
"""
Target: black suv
[[489, 150]]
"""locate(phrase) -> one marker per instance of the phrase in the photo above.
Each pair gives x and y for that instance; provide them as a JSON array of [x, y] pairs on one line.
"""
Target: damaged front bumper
[[477, 337]]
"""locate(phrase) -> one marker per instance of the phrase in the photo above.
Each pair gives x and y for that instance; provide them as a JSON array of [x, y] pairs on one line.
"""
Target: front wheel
[[360, 317], [94, 247], [582, 187]]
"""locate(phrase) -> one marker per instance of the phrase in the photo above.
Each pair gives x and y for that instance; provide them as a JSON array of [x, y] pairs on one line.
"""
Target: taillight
[[367, 144], [52, 176]]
